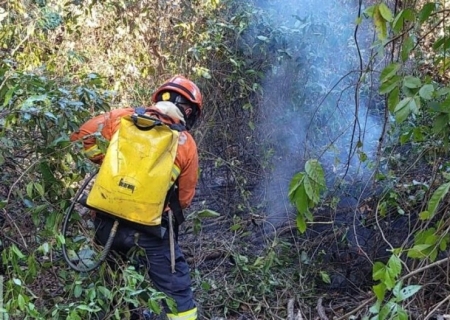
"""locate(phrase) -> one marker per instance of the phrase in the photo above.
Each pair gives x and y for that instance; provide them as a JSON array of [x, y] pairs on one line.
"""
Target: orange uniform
[[107, 124]]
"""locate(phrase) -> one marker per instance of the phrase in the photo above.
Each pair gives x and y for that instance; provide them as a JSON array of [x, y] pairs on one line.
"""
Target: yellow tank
[[135, 176]]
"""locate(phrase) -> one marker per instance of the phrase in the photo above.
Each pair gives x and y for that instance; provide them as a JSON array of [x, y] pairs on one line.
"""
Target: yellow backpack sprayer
[[132, 184]]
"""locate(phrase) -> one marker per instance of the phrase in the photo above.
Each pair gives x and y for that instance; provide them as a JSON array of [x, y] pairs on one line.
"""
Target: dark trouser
[[157, 260]]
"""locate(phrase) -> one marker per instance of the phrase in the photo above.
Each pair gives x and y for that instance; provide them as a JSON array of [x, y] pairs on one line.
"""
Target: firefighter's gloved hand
[[148, 315]]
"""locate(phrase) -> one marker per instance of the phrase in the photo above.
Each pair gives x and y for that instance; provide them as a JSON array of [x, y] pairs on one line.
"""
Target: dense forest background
[[324, 176]]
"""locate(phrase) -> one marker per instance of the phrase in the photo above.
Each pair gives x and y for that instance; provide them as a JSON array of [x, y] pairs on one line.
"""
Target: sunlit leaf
[[39, 188], [380, 23], [385, 12], [309, 189], [380, 291], [17, 252], [301, 224], [443, 244], [424, 215], [412, 82], [389, 71], [378, 270], [418, 251], [370, 10], [325, 277], [9, 95], [301, 200], [426, 92], [393, 99], [29, 189], [436, 198], [315, 171], [403, 110], [408, 292], [21, 302], [207, 213], [296, 181], [390, 84], [395, 265]]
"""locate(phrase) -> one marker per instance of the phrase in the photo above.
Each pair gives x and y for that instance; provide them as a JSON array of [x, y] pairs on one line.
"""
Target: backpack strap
[[140, 111], [174, 202], [177, 127]]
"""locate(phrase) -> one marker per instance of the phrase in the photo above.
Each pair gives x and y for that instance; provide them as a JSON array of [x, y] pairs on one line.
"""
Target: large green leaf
[[389, 84], [378, 270], [403, 109], [389, 71], [385, 12], [315, 172], [412, 82], [407, 46], [426, 92], [440, 122], [426, 11], [436, 198], [301, 223], [301, 200], [399, 21], [296, 181], [207, 213], [393, 99], [380, 23], [394, 265]]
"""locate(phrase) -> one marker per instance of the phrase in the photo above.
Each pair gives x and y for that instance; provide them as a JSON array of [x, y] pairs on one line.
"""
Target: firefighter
[[177, 101]]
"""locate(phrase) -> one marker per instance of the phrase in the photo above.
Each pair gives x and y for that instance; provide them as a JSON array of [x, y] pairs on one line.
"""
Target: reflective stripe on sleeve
[[186, 315], [175, 173]]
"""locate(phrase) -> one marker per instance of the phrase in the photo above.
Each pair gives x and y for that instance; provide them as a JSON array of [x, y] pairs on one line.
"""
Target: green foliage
[[254, 279], [388, 277], [418, 102], [304, 191], [197, 217], [62, 63]]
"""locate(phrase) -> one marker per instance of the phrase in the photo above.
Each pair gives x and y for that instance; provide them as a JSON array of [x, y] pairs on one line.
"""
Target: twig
[[290, 309], [347, 315], [436, 307], [23, 40], [356, 123], [320, 310], [434, 264]]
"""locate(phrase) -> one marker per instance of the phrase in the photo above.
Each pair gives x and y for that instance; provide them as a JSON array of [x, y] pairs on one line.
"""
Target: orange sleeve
[[106, 124], [187, 161]]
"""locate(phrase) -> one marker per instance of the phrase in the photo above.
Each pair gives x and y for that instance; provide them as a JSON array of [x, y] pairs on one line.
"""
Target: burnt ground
[[325, 273], [245, 266]]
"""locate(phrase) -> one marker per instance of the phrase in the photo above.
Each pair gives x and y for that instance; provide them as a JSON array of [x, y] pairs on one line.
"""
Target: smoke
[[315, 106]]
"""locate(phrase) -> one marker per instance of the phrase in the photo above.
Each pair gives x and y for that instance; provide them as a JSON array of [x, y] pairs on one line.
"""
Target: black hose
[[108, 244]]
